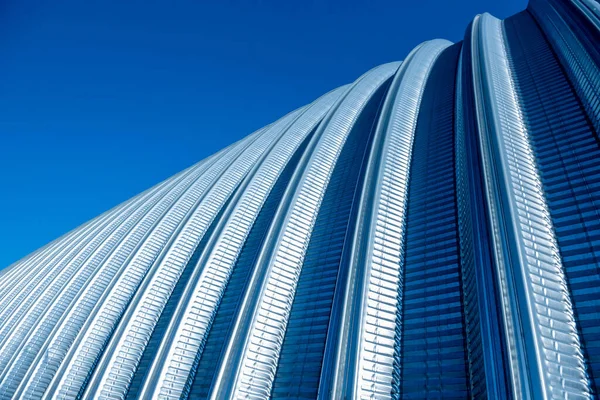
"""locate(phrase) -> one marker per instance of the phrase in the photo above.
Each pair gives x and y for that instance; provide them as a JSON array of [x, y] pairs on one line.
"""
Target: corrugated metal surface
[[414, 234]]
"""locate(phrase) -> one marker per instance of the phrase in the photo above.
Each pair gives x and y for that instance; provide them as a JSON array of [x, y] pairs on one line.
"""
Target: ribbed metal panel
[[80, 313], [431, 230], [546, 356], [381, 251], [262, 343], [173, 364], [432, 356], [581, 62], [114, 371]]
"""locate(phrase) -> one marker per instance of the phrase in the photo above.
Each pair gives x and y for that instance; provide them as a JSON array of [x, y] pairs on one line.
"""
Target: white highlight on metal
[[115, 370], [91, 340], [258, 361], [193, 317], [380, 255], [540, 299], [57, 342]]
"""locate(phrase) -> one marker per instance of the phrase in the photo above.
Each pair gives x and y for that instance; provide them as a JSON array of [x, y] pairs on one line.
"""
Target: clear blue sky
[[100, 100]]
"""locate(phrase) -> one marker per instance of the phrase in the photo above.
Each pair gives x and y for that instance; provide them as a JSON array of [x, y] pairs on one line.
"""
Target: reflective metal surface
[[431, 230]]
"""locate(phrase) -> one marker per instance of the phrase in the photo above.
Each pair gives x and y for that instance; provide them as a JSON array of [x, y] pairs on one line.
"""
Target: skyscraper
[[430, 230]]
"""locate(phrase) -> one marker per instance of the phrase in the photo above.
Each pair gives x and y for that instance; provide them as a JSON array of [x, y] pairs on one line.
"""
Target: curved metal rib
[[115, 370], [255, 353], [365, 353], [545, 353], [191, 321], [57, 335], [101, 322]]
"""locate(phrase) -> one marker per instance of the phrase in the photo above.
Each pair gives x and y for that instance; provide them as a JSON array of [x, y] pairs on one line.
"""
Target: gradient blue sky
[[100, 100]]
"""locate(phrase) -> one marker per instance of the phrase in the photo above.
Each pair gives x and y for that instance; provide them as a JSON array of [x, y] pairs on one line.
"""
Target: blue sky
[[100, 100]]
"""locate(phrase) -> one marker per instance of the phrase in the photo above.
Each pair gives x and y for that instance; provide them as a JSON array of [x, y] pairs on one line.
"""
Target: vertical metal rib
[[432, 356], [365, 353], [114, 371], [90, 341], [191, 321], [56, 342], [545, 353], [251, 358]]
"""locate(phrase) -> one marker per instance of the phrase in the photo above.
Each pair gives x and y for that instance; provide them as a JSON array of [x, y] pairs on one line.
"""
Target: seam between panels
[[345, 352], [106, 314], [379, 285], [201, 267], [325, 260], [286, 263], [115, 373], [548, 354], [335, 328], [232, 347], [472, 334], [342, 348], [226, 372], [205, 290], [277, 271], [80, 310]]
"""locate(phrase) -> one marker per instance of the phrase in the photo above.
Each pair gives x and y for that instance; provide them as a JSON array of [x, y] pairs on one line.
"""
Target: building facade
[[431, 230]]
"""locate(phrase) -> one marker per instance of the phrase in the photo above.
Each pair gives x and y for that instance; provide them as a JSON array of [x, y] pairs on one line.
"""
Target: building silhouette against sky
[[430, 230]]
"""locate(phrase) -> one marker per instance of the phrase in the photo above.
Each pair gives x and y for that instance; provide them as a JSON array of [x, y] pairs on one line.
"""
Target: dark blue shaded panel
[[202, 375], [433, 357], [165, 318], [301, 358], [574, 41], [568, 156]]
